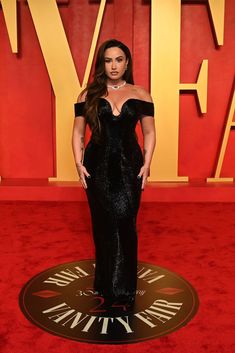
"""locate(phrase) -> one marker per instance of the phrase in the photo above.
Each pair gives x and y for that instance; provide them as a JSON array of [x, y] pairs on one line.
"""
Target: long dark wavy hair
[[98, 87]]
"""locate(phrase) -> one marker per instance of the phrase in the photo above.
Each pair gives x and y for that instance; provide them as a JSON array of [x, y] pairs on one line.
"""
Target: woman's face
[[115, 63]]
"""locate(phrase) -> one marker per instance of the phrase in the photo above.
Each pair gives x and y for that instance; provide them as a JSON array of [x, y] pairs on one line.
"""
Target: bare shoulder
[[142, 93], [82, 97]]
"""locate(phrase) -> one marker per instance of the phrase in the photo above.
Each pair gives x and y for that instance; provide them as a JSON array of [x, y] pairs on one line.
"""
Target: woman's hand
[[82, 172], [144, 173]]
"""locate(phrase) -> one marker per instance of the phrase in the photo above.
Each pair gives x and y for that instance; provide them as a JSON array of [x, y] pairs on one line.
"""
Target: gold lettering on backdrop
[[65, 82], [217, 8], [200, 86], [230, 124], [9, 8], [165, 81], [165, 75]]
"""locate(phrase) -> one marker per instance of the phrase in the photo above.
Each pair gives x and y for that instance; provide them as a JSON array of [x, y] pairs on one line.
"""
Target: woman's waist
[[116, 152], [114, 144]]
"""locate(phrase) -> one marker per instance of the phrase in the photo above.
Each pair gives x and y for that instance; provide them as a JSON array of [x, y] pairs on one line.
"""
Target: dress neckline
[[123, 105]]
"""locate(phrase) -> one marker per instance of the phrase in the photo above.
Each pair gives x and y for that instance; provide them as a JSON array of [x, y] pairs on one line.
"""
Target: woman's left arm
[[149, 135]]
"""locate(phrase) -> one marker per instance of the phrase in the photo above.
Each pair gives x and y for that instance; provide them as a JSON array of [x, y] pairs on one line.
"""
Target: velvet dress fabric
[[114, 194]]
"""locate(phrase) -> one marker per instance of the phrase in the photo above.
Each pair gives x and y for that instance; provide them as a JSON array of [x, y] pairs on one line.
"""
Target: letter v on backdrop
[[165, 84]]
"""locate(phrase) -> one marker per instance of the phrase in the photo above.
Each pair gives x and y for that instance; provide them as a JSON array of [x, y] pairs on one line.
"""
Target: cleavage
[[116, 111], [116, 107]]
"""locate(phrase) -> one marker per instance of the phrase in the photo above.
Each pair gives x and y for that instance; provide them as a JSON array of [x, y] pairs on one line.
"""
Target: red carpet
[[195, 240]]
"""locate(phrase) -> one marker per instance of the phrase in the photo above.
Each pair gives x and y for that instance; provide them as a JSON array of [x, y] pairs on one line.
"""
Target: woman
[[112, 168]]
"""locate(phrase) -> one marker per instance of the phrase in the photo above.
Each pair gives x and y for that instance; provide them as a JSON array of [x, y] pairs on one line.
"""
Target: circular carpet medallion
[[61, 300]]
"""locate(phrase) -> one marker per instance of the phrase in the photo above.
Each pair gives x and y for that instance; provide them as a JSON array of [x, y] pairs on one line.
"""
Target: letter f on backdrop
[[165, 80]]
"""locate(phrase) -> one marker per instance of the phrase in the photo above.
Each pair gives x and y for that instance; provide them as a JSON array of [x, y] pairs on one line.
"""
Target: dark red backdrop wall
[[26, 98]]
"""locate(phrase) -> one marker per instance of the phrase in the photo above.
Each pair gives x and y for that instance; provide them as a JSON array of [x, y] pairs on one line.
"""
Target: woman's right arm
[[78, 145]]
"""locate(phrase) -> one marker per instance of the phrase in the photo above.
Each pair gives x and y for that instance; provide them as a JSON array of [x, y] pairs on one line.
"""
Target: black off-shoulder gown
[[114, 194]]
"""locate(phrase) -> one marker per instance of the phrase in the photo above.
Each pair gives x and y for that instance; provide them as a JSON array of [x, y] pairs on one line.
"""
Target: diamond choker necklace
[[117, 86]]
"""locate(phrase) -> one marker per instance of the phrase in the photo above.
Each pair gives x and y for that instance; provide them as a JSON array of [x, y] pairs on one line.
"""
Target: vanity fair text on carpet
[[159, 312]]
